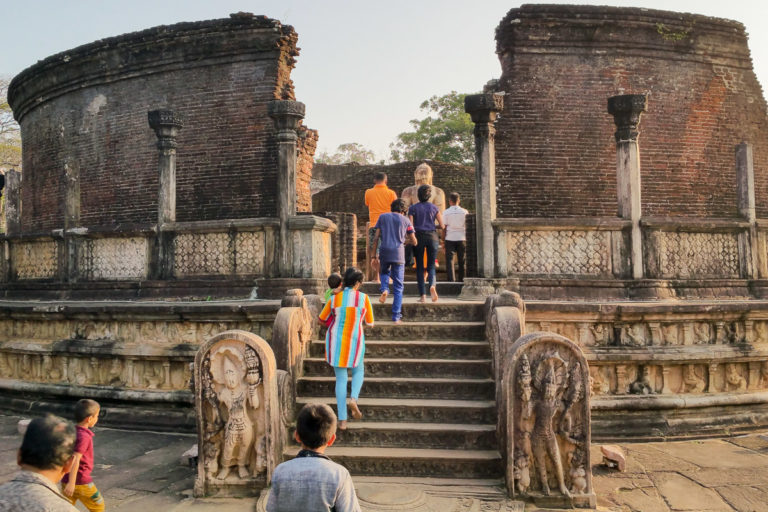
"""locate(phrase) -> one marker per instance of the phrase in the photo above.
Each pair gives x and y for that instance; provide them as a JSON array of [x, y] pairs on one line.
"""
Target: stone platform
[[142, 471]]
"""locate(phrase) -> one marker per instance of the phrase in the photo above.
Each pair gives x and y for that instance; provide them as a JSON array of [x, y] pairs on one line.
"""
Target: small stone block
[[22, 426], [613, 456], [189, 457]]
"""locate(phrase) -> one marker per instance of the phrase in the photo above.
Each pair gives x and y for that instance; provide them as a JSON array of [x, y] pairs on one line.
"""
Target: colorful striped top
[[345, 338]]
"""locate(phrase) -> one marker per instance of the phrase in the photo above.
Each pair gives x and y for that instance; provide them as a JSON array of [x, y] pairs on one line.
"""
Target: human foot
[[383, 297], [433, 293], [354, 410], [343, 425], [423, 299], [398, 322]]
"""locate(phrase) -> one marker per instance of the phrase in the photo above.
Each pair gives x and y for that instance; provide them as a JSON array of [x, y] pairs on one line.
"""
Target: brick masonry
[[348, 195], [555, 150], [219, 75]]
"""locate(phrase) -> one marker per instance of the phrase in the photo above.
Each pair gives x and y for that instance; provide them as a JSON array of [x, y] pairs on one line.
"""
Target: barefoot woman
[[345, 341]]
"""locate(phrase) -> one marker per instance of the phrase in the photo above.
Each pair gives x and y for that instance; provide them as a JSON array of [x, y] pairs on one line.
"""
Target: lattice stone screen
[[113, 259], [250, 251], [685, 255], [36, 259], [564, 252], [202, 254]]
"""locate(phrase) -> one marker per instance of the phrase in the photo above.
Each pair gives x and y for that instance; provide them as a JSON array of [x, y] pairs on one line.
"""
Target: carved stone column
[[12, 194], [753, 261], [484, 108], [286, 114], [166, 124], [626, 110]]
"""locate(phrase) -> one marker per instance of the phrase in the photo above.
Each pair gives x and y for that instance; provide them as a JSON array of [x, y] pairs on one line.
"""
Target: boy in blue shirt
[[394, 230]]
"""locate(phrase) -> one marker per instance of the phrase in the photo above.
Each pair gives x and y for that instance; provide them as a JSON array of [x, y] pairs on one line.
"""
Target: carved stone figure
[[597, 381], [692, 383], [642, 384], [544, 440], [670, 334], [761, 332], [764, 375], [423, 176], [733, 380], [702, 332], [238, 414], [634, 336]]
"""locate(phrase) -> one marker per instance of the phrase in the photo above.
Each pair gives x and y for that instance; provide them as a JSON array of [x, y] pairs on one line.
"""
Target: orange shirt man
[[378, 200]]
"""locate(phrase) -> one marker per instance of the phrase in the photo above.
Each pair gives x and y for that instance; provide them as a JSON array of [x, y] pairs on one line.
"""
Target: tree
[[347, 153], [10, 136], [446, 134]]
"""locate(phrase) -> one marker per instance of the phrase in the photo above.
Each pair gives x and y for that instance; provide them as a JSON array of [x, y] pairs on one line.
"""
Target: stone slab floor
[[140, 471]]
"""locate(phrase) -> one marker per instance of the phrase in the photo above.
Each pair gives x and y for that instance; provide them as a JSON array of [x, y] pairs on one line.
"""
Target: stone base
[[559, 501], [230, 487], [479, 288], [275, 287]]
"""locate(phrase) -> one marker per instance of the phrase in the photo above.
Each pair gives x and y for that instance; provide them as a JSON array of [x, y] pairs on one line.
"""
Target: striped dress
[[345, 338]]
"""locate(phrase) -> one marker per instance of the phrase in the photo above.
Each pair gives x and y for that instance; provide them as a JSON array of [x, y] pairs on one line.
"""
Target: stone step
[[415, 462], [418, 435], [387, 330], [410, 288], [421, 349], [381, 367], [410, 387], [416, 410], [450, 310]]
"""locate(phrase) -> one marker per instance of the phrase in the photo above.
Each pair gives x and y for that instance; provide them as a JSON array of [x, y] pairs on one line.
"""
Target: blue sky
[[365, 66]]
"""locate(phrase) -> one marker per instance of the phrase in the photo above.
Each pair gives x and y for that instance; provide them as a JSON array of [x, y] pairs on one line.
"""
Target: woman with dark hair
[[423, 216], [345, 341]]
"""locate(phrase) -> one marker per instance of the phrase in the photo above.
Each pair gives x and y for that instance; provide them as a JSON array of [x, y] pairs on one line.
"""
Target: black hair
[[352, 276], [424, 193], [85, 407], [454, 197], [398, 206], [334, 280], [379, 176], [315, 425], [48, 442]]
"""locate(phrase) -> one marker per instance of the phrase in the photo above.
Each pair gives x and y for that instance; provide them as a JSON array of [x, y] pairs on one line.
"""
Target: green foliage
[[347, 153], [10, 136], [446, 134]]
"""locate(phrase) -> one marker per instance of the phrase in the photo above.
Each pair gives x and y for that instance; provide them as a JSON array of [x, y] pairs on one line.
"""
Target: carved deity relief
[[670, 334], [634, 335], [643, 385], [692, 381], [734, 381], [598, 382], [548, 430], [761, 332], [236, 403]]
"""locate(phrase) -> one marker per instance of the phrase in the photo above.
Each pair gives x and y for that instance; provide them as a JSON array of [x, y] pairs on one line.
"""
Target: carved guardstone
[[238, 415], [548, 422]]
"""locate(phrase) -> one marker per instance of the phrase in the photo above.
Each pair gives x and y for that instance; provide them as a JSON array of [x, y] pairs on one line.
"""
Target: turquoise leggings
[[341, 387]]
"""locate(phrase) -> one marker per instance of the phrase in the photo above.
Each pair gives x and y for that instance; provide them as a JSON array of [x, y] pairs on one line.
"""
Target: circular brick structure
[[555, 151], [83, 117]]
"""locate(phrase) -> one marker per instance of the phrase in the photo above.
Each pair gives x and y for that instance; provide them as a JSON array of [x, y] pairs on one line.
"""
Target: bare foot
[[383, 297], [398, 322], [433, 293], [354, 410], [423, 299], [343, 425]]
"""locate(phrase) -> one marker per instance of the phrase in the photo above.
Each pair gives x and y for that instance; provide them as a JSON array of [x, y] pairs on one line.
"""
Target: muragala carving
[[237, 413], [548, 425]]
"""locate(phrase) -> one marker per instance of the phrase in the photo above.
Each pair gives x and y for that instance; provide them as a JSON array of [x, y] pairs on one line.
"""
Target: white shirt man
[[454, 219]]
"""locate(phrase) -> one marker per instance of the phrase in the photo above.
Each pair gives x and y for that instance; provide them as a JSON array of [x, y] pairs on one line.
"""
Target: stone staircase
[[428, 396]]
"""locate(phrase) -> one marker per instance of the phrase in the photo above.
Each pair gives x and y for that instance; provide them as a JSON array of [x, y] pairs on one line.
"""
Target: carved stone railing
[[676, 248], [584, 247], [221, 249]]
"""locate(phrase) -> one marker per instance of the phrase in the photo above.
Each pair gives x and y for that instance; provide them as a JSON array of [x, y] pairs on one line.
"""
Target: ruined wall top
[[151, 51]]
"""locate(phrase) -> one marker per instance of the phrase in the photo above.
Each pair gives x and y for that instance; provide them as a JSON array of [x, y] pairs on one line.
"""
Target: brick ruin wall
[[348, 195], [555, 148], [219, 75]]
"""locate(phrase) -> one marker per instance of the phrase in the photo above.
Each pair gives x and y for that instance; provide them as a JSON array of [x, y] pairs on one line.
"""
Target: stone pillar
[[753, 261], [287, 115], [626, 110], [12, 202], [166, 124], [484, 108], [72, 238]]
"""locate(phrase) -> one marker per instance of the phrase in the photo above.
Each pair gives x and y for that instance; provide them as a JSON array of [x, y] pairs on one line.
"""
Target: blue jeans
[[427, 241], [341, 386], [396, 270]]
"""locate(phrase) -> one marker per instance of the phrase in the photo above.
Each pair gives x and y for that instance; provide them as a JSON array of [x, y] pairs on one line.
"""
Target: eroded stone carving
[[548, 427], [642, 384], [238, 414], [734, 381], [692, 382]]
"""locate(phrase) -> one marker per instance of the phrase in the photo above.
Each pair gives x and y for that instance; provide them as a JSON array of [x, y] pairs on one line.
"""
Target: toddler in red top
[[78, 484]]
